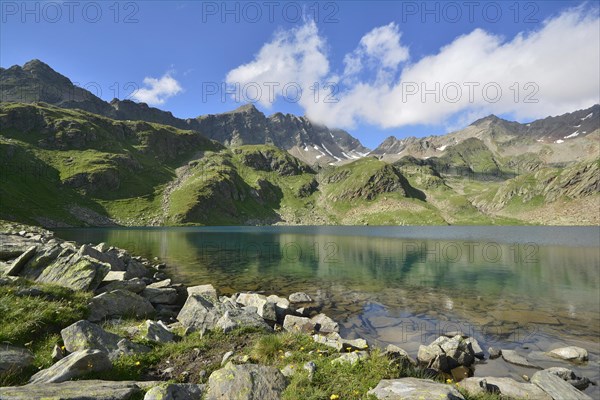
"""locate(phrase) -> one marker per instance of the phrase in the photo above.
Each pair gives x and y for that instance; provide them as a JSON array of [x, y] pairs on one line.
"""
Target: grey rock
[[226, 358], [136, 269], [311, 367], [513, 357], [160, 296], [72, 366], [135, 285], [200, 314], [128, 347], [414, 389], [399, 355], [477, 350], [265, 308], [300, 297], [556, 387], [119, 303], [175, 391], [351, 358], [84, 335], [282, 306], [157, 332], [165, 283], [73, 390], [324, 324], [14, 358], [335, 341], [74, 272], [494, 353], [207, 291], [570, 353], [291, 323], [246, 382], [111, 259], [233, 319], [113, 276], [507, 387], [19, 263]]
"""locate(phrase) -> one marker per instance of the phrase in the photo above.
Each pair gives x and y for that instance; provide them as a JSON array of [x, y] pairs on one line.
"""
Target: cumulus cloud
[[157, 91], [294, 58], [548, 71]]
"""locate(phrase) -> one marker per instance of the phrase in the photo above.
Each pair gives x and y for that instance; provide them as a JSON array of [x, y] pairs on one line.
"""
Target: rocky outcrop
[[506, 387], [556, 387]]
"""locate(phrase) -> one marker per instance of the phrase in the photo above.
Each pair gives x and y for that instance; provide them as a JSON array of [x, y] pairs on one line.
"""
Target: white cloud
[[560, 62], [157, 90], [293, 57], [380, 48]]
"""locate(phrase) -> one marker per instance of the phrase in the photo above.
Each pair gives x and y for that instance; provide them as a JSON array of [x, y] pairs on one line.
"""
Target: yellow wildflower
[[334, 396]]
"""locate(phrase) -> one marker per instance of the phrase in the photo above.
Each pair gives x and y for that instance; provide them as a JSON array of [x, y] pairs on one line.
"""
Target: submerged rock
[[513, 357], [570, 353]]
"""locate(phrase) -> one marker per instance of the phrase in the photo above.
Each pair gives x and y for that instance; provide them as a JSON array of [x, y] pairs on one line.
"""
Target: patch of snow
[[331, 163], [540, 140], [572, 135], [559, 141], [442, 148], [305, 148], [587, 116], [577, 126], [528, 125], [331, 134], [346, 155], [337, 158], [319, 156]]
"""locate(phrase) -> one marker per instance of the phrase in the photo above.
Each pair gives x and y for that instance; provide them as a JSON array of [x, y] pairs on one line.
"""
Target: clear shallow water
[[527, 288]]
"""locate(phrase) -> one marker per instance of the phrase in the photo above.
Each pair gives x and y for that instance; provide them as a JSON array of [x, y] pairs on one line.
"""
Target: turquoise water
[[529, 288]]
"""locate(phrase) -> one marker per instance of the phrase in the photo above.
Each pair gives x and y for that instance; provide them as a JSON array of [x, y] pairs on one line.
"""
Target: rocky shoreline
[[205, 346]]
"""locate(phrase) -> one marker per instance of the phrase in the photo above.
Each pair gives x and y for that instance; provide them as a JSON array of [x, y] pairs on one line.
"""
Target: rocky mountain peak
[[246, 108]]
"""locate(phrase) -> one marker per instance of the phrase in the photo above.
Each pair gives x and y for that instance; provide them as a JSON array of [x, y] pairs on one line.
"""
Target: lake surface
[[526, 288]]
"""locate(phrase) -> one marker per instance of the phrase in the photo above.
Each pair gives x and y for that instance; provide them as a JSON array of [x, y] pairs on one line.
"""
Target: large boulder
[[233, 319], [414, 389], [72, 366], [84, 335], [246, 382], [13, 359], [198, 313], [175, 391], [73, 390], [556, 387], [506, 387], [119, 303], [77, 273]]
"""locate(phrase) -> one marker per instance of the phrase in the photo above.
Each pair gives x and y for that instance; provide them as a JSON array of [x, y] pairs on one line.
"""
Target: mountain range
[[70, 158]]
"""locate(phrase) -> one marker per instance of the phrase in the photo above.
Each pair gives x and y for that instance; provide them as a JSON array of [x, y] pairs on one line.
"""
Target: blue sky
[[378, 55]]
